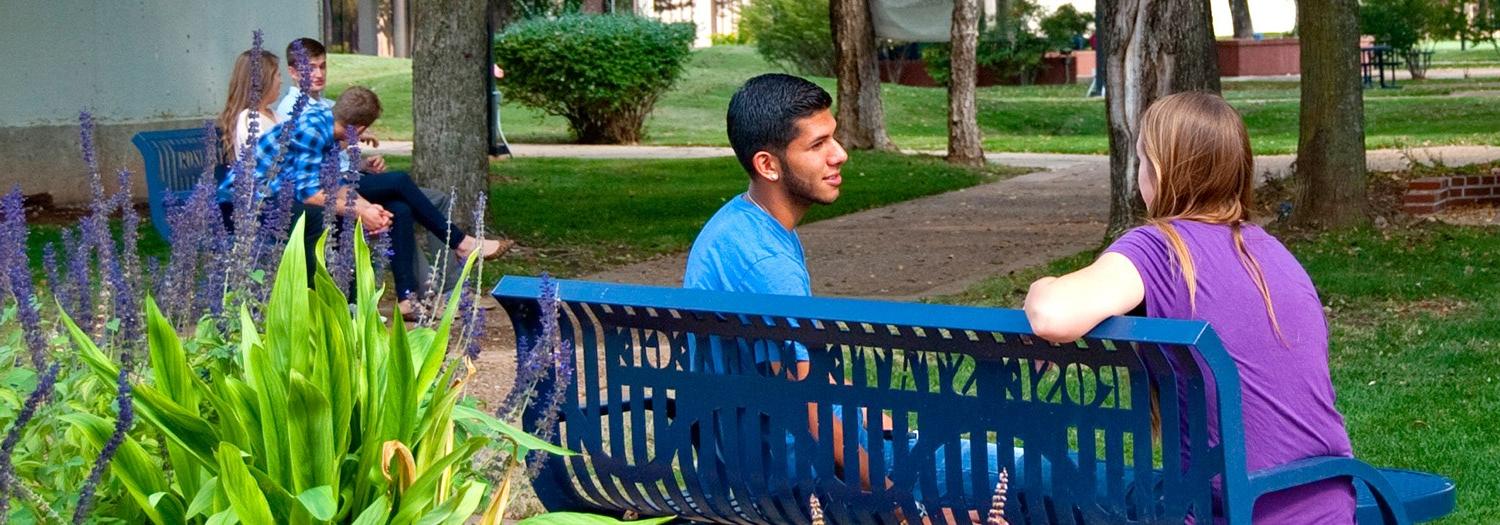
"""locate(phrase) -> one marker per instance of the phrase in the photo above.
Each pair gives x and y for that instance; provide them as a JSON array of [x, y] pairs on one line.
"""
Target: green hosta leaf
[[314, 461], [244, 494], [458, 508], [169, 367], [134, 468], [204, 500], [527, 441], [189, 431], [375, 514], [224, 517], [578, 518], [319, 502]]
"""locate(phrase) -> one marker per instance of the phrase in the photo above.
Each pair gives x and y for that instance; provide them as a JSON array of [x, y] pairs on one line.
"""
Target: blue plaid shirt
[[310, 140]]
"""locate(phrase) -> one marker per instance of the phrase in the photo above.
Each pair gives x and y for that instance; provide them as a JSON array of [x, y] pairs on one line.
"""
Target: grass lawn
[[1415, 336], [1013, 118], [1448, 54], [579, 216]]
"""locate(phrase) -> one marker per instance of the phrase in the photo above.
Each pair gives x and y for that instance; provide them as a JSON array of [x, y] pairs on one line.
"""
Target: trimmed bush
[[794, 34], [603, 73]]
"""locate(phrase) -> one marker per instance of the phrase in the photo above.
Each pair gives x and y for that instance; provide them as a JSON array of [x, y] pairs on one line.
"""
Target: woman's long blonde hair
[[1205, 171], [239, 97]]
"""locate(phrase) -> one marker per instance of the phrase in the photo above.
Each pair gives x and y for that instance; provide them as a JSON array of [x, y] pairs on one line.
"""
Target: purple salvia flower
[[329, 180], [49, 267], [248, 194], [538, 358], [80, 279], [528, 369], [122, 425], [196, 227], [129, 299], [13, 234], [381, 252], [90, 153], [562, 377], [39, 396]]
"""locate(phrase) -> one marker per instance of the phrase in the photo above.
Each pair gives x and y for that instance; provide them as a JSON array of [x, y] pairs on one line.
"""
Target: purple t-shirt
[[1286, 394]]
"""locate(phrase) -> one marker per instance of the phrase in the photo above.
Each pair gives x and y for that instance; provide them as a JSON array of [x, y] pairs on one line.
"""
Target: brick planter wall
[[1433, 194], [1276, 56]]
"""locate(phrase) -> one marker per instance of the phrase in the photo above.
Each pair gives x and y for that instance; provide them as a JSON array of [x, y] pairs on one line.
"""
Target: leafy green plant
[[795, 34], [1065, 27], [330, 417], [603, 73]]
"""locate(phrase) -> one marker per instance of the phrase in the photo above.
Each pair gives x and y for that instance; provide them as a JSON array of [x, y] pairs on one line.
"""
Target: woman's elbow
[[1053, 324]]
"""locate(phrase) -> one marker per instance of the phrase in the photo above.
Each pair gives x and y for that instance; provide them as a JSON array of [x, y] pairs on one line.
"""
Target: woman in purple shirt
[[1199, 257]]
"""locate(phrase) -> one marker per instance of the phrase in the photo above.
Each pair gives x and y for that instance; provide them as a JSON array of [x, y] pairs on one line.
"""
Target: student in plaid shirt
[[383, 200]]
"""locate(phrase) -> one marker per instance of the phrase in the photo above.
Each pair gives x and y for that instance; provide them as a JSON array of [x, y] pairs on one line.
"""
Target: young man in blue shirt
[[781, 130]]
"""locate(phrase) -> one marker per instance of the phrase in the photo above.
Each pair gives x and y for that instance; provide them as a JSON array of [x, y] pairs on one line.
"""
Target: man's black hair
[[764, 112]]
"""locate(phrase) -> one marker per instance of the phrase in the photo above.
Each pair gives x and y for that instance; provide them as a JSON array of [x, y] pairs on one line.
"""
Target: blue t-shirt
[[744, 249]]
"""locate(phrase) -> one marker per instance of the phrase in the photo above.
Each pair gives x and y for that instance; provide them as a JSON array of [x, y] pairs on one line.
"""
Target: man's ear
[[766, 165]]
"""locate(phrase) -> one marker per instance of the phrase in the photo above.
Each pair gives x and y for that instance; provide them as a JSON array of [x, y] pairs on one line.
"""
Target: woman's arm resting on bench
[[1062, 309]]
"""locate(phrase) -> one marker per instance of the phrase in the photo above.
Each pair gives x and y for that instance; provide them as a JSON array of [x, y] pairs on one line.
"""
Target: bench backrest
[[669, 428], [175, 160]]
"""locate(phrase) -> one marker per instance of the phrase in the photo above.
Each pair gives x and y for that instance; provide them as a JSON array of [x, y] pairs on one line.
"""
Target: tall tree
[[861, 118], [448, 98], [400, 25], [1330, 189], [1150, 49], [963, 116], [1239, 10]]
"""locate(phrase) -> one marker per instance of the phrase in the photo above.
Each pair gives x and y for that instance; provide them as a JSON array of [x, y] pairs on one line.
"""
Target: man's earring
[[772, 176]]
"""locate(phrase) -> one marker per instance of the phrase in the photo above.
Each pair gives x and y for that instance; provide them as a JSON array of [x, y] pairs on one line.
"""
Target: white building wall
[[137, 64]]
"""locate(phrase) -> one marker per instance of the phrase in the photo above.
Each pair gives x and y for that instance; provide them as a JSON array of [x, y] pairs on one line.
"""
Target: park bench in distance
[[664, 436], [174, 161]]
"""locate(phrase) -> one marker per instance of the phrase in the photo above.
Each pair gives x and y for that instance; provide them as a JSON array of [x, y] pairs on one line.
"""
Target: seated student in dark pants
[[383, 200]]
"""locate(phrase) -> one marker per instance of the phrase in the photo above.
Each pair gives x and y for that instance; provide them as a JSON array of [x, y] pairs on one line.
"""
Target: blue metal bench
[[174, 161], [663, 435]]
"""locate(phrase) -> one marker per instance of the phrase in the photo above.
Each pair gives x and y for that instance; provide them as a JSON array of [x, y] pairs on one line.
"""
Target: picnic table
[[1375, 61]]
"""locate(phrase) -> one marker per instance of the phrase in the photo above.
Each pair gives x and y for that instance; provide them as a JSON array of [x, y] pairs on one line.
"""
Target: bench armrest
[[1310, 470]]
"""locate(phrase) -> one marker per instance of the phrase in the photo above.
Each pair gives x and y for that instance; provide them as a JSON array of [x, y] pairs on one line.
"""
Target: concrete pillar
[[401, 35], [368, 13]]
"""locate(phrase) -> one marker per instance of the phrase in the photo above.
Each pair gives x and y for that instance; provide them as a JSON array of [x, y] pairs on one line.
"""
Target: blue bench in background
[[662, 435], [174, 160]]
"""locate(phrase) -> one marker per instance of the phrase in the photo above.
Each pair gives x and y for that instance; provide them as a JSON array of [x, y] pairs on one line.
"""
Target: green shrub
[[794, 34], [731, 39], [1065, 27], [603, 73], [1396, 23]]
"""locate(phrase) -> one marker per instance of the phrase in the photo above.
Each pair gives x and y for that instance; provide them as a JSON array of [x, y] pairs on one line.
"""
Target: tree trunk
[[592, 6], [1150, 49], [861, 119], [328, 21], [963, 115], [448, 99], [1239, 10], [1331, 140]]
